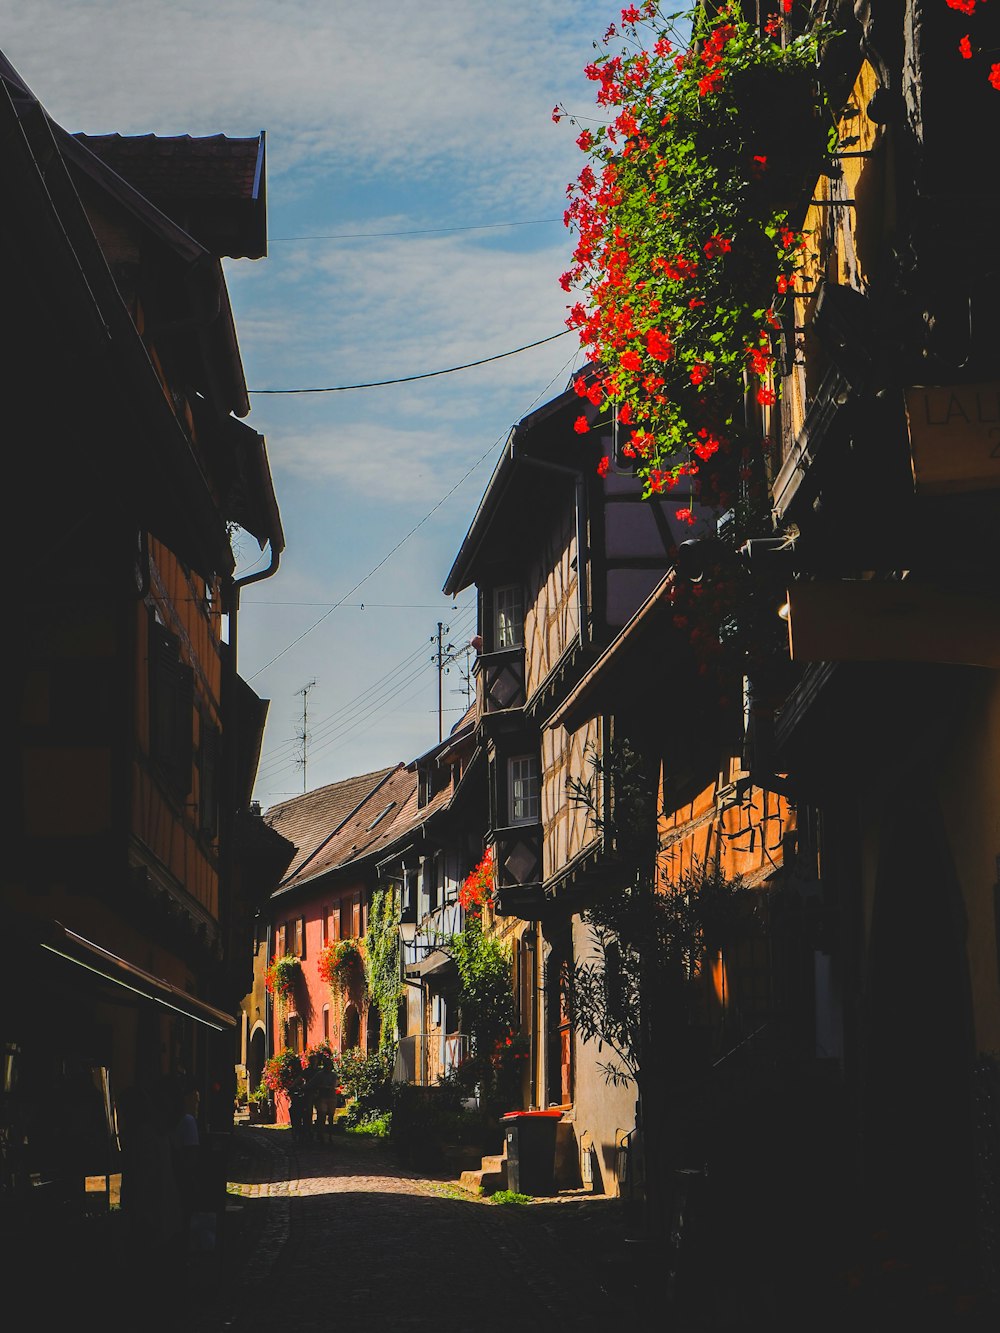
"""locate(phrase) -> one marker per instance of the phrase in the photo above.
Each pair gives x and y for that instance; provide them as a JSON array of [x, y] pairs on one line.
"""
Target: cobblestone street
[[316, 1235]]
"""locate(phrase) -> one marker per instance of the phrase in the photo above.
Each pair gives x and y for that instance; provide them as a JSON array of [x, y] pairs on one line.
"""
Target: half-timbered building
[[562, 557]]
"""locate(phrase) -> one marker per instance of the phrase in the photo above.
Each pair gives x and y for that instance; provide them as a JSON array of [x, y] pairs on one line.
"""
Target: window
[[326, 1022], [295, 1034], [508, 617], [299, 937], [207, 760], [410, 888], [279, 942], [428, 885], [171, 710], [522, 775]]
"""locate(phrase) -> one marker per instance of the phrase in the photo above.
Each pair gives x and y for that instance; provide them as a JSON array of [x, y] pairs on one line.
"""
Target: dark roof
[[182, 167], [542, 455], [314, 817], [352, 823], [212, 186]]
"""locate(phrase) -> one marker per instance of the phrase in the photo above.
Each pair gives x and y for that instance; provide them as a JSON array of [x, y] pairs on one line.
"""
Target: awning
[[436, 961], [66, 944]]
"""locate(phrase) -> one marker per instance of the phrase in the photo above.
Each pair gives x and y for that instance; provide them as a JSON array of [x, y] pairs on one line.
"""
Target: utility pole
[[446, 654], [440, 659], [303, 735]]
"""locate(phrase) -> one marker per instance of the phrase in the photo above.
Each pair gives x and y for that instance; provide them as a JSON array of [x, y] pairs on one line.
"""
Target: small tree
[[651, 935]]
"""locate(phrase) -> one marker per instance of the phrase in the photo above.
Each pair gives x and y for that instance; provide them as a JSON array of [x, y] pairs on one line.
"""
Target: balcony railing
[[426, 1057]]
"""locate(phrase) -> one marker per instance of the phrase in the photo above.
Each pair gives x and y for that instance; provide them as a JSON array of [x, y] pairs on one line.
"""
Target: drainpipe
[[230, 736], [531, 936]]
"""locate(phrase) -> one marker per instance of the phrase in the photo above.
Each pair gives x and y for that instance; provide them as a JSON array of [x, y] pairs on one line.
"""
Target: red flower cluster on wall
[[478, 886], [664, 235]]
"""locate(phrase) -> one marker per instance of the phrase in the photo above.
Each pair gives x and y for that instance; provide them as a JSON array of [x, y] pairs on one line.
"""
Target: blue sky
[[406, 131]]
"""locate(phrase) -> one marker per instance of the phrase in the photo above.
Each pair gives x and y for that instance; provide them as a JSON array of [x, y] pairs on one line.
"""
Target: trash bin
[[531, 1150]]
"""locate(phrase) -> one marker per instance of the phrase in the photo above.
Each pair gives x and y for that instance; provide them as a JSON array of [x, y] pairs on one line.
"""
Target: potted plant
[[260, 1104]]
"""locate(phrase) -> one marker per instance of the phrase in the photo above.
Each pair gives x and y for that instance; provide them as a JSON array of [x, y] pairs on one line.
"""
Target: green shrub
[[373, 1126]]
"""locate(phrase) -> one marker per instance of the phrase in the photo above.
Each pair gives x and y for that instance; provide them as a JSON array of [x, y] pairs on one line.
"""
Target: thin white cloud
[[392, 116], [406, 89]]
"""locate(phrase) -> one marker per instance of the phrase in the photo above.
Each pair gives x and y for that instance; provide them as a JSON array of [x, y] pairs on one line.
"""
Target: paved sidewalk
[[318, 1236]]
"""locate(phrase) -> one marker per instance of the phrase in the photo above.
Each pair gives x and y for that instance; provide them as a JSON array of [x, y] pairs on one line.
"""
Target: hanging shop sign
[[954, 437], [864, 621]]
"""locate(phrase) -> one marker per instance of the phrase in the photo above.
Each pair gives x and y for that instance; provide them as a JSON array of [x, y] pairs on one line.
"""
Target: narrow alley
[[318, 1236]]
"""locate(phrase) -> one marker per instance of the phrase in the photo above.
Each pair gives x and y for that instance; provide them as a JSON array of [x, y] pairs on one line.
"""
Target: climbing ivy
[[385, 986]]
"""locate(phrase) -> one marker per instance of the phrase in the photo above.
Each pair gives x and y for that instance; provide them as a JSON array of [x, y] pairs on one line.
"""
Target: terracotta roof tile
[[337, 826], [307, 819]]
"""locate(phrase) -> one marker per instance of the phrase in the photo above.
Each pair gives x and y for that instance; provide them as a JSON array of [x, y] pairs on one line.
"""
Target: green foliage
[[367, 1080], [424, 1119], [486, 994], [260, 1095], [486, 999], [506, 1197], [385, 985], [375, 1125]]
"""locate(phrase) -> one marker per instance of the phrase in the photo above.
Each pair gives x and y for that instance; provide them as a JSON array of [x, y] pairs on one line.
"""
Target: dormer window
[[508, 617]]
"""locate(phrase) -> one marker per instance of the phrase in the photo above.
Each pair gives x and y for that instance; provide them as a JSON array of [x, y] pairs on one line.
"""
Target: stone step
[[488, 1178]]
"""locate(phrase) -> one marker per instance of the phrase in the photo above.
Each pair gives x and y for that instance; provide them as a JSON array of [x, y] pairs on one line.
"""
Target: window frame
[[515, 618], [533, 798]]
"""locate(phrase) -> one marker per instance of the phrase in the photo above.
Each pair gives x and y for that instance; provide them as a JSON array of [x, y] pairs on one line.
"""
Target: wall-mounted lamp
[[785, 610]]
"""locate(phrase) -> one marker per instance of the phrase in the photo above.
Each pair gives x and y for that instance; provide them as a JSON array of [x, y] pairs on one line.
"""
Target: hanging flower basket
[[281, 979], [281, 1070], [685, 255], [341, 965]]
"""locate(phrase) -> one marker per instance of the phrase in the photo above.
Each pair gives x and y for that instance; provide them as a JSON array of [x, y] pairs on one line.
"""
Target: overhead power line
[[426, 375], [416, 527]]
